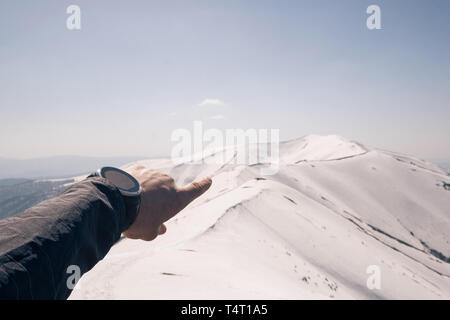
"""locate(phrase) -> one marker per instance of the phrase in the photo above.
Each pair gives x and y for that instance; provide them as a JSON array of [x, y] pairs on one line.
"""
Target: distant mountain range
[[17, 195], [25, 183], [57, 167]]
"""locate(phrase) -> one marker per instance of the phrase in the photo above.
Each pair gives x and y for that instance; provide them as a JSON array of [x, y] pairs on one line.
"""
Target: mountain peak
[[319, 148]]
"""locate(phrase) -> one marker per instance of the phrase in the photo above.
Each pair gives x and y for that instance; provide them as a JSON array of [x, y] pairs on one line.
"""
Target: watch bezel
[[128, 193]]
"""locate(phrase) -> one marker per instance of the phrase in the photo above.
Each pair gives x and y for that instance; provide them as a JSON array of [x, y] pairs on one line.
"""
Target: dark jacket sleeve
[[42, 249]]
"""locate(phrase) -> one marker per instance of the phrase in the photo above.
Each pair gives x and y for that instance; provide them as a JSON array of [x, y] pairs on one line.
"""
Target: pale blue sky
[[138, 70]]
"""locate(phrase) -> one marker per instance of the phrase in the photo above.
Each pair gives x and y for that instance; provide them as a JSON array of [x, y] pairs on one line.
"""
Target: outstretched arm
[[78, 227]]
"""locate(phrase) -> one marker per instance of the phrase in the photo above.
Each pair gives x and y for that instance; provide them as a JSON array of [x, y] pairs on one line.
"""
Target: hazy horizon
[[439, 161], [65, 166], [57, 166]]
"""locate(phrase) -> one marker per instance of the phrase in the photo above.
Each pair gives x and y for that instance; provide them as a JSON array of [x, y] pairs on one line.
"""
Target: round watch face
[[125, 182]]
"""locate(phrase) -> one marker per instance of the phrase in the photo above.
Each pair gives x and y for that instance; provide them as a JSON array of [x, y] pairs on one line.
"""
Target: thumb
[[193, 191]]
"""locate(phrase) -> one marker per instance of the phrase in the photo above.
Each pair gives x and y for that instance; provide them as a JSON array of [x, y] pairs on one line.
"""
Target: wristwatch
[[128, 186]]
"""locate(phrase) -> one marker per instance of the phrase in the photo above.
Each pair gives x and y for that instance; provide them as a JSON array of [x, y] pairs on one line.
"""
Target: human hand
[[161, 199]]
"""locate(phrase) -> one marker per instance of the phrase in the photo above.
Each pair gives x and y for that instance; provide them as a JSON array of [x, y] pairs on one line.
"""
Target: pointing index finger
[[194, 190]]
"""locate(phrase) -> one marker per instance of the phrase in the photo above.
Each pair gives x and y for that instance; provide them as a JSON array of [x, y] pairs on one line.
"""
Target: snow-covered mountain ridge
[[311, 231]]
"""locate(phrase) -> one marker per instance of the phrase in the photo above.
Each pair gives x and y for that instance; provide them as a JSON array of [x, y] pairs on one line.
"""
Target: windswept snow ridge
[[319, 148], [334, 210]]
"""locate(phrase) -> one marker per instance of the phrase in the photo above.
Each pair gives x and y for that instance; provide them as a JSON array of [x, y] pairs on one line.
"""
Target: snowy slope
[[309, 232], [319, 148]]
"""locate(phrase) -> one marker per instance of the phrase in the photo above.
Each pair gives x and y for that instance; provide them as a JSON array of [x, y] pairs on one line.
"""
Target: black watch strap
[[132, 205]]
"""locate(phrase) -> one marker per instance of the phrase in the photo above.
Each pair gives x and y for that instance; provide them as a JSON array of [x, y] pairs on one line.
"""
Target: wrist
[[130, 191], [132, 206]]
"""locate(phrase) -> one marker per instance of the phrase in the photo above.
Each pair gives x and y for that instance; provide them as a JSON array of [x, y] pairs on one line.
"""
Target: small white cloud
[[172, 114], [211, 102], [218, 117]]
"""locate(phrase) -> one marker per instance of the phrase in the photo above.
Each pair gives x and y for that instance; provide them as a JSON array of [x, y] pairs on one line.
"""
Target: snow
[[309, 232], [319, 148]]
